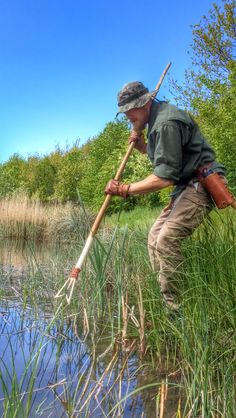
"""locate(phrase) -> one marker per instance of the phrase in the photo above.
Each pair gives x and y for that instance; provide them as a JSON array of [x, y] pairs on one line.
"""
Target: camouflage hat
[[133, 95]]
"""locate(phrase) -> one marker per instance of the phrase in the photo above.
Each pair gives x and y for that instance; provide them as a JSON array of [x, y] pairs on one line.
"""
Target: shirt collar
[[153, 113]]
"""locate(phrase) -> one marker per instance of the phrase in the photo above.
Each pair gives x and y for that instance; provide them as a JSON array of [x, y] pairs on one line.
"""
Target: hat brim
[[136, 103]]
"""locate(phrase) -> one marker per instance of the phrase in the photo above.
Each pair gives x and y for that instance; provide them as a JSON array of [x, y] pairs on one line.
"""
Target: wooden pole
[[70, 282]]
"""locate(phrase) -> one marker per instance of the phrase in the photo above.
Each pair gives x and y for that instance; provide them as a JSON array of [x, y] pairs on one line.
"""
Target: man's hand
[[138, 139], [115, 188]]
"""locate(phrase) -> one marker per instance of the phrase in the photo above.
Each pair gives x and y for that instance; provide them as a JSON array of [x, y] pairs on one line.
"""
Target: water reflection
[[17, 253], [68, 376], [48, 364]]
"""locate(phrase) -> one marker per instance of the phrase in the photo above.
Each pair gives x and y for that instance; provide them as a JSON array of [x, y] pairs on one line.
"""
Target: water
[[49, 362], [64, 360]]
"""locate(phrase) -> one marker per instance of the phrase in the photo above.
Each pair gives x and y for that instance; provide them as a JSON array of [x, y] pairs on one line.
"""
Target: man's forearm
[[151, 183]]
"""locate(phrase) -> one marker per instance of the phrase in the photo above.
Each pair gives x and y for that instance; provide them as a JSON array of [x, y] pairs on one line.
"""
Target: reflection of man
[[177, 149]]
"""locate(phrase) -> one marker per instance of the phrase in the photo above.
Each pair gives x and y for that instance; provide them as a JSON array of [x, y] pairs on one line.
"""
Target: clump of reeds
[[22, 218]]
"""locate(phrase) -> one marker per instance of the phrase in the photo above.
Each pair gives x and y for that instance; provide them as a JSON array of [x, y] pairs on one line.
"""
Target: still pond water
[[53, 366]]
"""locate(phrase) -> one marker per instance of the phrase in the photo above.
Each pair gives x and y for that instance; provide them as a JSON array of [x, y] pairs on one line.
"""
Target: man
[[176, 149]]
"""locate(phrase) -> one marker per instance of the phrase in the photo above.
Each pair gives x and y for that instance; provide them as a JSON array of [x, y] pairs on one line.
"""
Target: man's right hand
[[139, 142]]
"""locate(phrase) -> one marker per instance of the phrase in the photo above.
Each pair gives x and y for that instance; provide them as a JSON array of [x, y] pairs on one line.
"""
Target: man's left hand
[[115, 188]]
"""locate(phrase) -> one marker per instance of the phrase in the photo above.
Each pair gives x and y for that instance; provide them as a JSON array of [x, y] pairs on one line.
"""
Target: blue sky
[[63, 61]]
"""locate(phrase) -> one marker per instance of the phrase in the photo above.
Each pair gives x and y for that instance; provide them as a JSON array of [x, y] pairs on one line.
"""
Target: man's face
[[138, 117]]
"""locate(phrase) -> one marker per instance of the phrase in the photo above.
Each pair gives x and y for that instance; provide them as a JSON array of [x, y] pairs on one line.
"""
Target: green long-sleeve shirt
[[176, 147]]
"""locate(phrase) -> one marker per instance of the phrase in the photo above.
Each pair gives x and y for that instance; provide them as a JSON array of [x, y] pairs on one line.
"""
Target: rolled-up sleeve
[[167, 158]]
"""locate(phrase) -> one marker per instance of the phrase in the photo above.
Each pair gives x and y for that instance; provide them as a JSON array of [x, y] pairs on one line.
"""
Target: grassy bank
[[139, 218]]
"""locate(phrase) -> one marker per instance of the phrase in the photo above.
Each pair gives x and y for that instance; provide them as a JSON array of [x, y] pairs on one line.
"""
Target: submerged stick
[[70, 282]]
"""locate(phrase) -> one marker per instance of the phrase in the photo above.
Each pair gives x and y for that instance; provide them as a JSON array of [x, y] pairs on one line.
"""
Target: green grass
[[140, 217]]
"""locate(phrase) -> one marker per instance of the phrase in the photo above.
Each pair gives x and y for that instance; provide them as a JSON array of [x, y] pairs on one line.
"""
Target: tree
[[69, 174], [210, 84], [12, 176], [102, 160], [40, 175]]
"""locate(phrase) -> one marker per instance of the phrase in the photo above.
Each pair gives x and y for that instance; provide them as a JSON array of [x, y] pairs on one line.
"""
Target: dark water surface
[[67, 373]]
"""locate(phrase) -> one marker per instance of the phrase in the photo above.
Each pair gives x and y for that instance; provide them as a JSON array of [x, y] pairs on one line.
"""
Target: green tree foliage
[[105, 153], [69, 173], [12, 176], [210, 85], [40, 178]]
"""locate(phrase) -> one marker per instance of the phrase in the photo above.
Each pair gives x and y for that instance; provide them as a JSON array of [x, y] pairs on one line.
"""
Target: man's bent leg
[[152, 239], [187, 214]]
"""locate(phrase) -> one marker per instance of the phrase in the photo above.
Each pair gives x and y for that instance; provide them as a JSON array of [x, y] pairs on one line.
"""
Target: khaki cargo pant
[[167, 233]]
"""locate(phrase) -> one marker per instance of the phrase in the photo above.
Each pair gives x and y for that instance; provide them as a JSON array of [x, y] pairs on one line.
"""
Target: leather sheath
[[216, 186]]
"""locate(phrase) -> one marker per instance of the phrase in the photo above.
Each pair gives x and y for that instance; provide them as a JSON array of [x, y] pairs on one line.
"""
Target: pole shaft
[[108, 197]]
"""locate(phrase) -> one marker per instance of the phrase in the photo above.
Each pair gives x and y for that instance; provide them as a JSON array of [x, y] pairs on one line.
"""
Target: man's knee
[[168, 242], [162, 244]]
